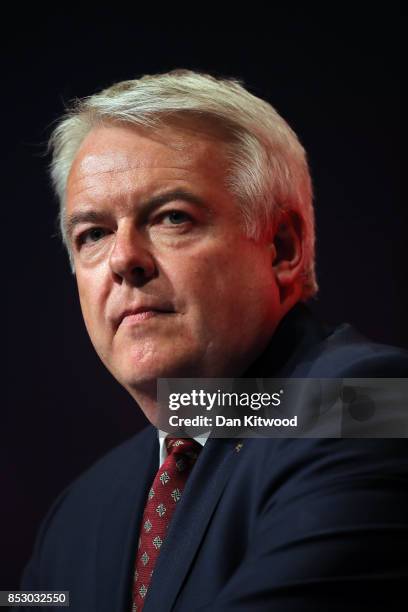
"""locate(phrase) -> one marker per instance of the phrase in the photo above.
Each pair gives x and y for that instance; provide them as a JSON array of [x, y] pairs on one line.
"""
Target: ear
[[287, 263]]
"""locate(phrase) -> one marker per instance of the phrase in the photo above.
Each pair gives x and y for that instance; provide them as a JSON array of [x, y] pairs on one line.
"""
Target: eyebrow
[[144, 208]]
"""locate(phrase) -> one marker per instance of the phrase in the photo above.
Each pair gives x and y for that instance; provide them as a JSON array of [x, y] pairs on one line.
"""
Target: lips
[[141, 313]]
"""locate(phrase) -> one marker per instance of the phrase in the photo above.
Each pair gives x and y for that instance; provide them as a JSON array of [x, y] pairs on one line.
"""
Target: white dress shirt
[[202, 439]]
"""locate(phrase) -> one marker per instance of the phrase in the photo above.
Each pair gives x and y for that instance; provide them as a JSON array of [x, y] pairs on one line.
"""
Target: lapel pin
[[239, 446]]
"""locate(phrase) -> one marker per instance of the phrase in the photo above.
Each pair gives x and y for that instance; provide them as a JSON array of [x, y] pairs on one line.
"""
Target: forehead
[[125, 152]]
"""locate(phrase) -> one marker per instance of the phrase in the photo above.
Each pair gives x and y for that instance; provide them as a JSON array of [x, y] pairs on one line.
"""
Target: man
[[186, 208]]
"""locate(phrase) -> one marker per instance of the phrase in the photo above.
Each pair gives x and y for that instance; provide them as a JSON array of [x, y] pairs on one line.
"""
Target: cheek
[[230, 288], [209, 288], [198, 277]]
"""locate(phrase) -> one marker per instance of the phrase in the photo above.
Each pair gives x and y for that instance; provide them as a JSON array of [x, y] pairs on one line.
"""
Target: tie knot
[[183, 446]]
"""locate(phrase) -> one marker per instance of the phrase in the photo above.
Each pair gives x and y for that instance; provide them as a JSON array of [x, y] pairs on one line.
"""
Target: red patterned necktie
[[162, 500]]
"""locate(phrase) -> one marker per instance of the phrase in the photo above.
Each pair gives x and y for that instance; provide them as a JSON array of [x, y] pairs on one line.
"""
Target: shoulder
[[118, 462], [345, 353], [99, 482], [69, 532], [304, 346]]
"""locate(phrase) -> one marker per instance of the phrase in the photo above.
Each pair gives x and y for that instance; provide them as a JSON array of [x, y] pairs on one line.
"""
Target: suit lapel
[[119, 525], [189, 522]]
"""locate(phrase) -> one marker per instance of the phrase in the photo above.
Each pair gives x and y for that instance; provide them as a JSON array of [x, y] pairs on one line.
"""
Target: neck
[[146, 397]]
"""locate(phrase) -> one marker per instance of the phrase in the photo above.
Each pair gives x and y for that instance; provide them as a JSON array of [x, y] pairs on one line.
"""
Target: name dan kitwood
[[222, 421]]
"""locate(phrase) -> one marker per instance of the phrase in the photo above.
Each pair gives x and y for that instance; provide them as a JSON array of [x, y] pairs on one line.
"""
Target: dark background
[[333, 75]]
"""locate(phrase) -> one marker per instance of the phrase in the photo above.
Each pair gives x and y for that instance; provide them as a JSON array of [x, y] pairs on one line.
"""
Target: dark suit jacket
[[281, 525]]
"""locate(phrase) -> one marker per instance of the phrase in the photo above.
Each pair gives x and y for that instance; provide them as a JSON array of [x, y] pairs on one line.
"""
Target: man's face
[[169, 284]]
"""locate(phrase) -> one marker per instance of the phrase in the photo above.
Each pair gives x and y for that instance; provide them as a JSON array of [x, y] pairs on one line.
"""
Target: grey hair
[[269, 173]]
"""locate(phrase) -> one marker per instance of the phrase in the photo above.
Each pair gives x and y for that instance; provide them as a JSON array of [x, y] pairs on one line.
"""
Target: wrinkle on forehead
[[92, 189], [116, 161], [94, 165], [129, 176], [122, 156], [187, 148]]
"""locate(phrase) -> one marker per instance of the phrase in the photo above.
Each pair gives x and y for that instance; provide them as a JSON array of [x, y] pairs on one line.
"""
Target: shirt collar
[[201, 439]]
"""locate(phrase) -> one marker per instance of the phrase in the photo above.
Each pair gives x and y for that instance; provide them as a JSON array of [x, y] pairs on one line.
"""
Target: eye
[[92, 235], [176, 217]]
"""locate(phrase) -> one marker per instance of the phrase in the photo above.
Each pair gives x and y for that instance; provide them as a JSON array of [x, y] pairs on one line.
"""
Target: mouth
[[134, 316], [139, 317]]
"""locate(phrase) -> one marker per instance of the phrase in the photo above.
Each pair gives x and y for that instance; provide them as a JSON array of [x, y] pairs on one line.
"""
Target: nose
[[131, 260]]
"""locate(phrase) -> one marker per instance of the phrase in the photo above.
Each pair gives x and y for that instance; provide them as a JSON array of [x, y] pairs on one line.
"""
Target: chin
[[138, 377], [145, 363]]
